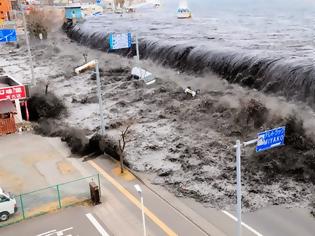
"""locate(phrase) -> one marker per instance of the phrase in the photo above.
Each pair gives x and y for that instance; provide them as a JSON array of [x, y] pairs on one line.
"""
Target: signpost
[[7, 35], [265, 140], [119, 41]]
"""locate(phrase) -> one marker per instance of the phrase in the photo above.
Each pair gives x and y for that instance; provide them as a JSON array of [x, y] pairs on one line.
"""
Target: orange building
[[5, 8]]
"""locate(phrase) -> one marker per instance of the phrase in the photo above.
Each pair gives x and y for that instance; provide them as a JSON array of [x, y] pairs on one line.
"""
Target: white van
[[7, 205]]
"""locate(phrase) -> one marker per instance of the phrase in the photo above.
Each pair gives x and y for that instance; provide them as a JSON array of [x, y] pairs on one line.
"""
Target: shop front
[[13, 104]]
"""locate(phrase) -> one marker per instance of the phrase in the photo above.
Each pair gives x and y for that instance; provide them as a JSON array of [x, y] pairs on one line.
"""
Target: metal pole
[[100, 100], [28, 48], [143, 218], [22, 207], [137, 49], [59, 198], [99, 183], [238, 188]]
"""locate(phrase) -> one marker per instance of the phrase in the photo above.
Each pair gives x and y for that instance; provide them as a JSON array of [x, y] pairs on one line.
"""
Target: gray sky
[[205, 8], [241, 3]]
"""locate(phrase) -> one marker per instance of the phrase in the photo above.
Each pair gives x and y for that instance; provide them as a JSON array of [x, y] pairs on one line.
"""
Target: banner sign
[[14, 92]]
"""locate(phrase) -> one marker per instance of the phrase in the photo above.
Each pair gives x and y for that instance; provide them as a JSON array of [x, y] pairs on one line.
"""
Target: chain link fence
[[52, 198]]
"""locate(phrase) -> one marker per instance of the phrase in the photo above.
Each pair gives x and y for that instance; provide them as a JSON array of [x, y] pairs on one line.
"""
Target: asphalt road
[[277, 220], [74, 221]]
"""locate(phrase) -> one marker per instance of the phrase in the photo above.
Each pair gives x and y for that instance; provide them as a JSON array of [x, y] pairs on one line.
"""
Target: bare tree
[[124, 139]]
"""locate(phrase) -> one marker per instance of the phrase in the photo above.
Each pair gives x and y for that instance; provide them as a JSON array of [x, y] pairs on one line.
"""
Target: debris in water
[[193, 93]]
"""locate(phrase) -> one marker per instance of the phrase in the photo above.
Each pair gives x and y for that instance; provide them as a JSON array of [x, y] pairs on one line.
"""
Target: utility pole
[[100, 100], [137, 49], [238, 188], [28, 47]]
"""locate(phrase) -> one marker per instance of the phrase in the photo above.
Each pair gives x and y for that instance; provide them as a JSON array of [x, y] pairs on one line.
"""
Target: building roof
[[7, 107]]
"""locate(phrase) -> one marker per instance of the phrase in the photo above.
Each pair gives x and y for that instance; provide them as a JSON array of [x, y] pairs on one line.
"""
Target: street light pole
[[100, 100], [28, 48], [143, 219], [139, 190], [238, 188], [137, 49], [239, 182]]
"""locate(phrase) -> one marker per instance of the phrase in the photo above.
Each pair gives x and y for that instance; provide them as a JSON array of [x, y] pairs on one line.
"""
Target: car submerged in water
[[183, 13]]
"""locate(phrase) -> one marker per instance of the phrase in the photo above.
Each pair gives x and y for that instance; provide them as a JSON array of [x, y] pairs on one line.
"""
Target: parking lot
[[75, 221], [29, 162], [40, 175]]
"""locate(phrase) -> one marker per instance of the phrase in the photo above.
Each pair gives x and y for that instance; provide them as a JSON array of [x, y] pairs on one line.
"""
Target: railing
[[52, 198]]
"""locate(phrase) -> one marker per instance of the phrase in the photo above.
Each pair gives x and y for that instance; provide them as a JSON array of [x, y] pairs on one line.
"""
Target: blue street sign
[[118, 41], [98, 1], [7, 35], [270, 139]]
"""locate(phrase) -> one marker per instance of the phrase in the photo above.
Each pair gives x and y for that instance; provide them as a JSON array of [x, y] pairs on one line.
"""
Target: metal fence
[[52, 198]]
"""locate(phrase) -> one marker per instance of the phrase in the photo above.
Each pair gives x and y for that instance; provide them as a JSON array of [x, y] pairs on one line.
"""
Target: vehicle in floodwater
[[183, 13]]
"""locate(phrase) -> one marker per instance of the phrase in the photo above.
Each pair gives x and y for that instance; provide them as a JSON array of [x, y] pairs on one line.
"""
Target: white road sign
[[118, 41]]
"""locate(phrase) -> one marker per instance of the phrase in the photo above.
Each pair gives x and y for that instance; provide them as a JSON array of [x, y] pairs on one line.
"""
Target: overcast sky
[[205, 8], [285, 4]]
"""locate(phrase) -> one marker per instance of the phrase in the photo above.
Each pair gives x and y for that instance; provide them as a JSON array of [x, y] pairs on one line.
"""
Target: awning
[[7, 107]]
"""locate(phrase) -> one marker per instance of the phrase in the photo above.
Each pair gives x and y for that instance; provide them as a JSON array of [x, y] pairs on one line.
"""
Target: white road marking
[[55, 232], [48, 232], [99, 228], [245, 225]]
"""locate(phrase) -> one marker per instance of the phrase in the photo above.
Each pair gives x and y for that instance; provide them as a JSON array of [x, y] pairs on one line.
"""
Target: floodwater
[[251, 28], [263, 47], [269, 47]]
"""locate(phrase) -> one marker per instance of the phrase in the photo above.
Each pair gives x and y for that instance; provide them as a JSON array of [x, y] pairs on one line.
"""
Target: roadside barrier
[[52, 198]]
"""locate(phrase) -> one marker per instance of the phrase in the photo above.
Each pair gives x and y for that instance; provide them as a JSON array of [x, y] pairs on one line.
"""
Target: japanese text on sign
[[11, 93]]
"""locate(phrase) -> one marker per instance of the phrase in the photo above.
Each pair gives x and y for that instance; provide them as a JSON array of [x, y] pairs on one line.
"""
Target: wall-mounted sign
[[13, 92]]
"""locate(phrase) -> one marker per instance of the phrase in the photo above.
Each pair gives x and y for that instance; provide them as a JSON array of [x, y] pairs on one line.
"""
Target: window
[[3, 199]]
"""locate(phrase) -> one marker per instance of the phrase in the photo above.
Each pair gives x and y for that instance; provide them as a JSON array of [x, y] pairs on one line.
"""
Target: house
[[13, 104], [7, 120]]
